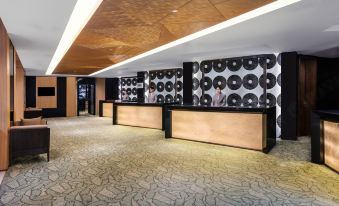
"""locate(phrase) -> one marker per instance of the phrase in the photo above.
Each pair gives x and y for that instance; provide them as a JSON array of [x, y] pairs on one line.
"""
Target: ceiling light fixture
[[82, 13], [174, 11], [228, 23]]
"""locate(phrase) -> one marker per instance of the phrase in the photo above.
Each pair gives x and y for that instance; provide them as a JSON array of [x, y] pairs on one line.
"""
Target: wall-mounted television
[[46, 91]]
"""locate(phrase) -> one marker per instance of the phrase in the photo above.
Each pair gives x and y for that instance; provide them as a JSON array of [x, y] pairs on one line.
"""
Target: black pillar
[[140, 86], [112, 89], [187, 83], [289, 95]]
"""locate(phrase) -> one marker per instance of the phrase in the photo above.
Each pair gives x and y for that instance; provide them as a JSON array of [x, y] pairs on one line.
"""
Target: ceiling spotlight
[[174, 11]]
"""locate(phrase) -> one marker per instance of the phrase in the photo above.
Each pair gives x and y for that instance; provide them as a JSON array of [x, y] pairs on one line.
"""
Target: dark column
[[112, 89], [289, 95], [141, 86], [30, 91], [187, 83]]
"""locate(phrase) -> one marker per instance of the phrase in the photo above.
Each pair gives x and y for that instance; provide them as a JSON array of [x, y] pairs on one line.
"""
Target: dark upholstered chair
[[28, 140]]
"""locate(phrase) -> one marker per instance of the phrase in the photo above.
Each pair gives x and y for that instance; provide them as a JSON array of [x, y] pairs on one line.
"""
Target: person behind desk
[[152, 97], [219, 99], [125, 96]]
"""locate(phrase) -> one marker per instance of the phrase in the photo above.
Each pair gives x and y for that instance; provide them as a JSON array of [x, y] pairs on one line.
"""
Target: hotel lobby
[[182, 102]]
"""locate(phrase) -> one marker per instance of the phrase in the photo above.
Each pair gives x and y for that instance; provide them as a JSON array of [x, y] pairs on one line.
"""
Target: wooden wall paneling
[[19, 89], [71, 98], [4, 96], [100, 92], [46, 101]]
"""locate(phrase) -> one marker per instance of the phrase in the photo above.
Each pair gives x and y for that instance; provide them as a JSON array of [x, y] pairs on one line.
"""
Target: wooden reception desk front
[[325, 138], [250, 128], [139, 114]]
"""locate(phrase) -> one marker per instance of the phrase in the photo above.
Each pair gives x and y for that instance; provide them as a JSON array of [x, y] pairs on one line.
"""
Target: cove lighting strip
[[82, 13], [228, 23]]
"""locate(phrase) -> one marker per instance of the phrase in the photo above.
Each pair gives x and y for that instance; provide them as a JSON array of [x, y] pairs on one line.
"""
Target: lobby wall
[[241, 79]]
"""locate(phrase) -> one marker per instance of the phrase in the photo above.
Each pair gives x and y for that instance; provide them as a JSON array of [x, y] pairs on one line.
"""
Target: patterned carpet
[[95, 163]]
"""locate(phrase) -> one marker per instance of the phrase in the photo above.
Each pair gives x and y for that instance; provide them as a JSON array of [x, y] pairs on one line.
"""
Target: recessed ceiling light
[[174, 11], [82, 12]]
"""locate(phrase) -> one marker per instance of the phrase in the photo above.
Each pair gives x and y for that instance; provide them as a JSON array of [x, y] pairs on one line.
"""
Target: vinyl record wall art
[[241, 79], [129, 85]]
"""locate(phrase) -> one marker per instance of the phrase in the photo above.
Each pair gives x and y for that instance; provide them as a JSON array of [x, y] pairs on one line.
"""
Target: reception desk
[[250, 128], [106, 108], [325, 138], [149, 115]]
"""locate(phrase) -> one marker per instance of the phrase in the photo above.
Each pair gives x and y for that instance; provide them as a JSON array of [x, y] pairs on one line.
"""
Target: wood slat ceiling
[[121, 29]]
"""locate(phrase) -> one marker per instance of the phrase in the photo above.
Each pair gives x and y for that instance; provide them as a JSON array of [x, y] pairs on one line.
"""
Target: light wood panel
[[4, 96], [331, 144], [99, 93], [46, 101], [121, 29], [19, 89], [71, 97], [140, 116], [235, 129], [107, 109]]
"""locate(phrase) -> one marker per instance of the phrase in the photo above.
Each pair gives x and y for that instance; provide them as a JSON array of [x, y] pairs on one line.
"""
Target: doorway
[[86, 96]]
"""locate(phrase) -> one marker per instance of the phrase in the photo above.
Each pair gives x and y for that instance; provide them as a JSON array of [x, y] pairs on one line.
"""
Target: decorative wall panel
[[242, 79], [129, 85], [168, 84]]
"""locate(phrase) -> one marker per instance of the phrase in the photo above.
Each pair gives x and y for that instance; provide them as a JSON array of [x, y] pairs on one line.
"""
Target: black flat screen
[[46, 91]]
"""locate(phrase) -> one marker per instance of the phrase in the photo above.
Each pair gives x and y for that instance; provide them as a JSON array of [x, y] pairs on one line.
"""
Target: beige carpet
[[95, 163]]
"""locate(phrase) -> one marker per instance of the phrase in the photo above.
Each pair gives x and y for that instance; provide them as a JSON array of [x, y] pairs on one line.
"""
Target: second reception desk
[[139, 114], [250, 128]]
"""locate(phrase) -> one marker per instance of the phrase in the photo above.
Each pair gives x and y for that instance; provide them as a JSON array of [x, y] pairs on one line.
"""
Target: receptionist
[[219, 99], [125, 96]]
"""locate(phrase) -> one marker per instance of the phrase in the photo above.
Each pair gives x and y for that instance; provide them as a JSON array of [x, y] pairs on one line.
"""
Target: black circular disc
[[123, 82], [206, 99], [195, 99], [196, 84], [134, 82], [160, 86], [129, 82], [279, 79], [279, 121], [219, 81], [134, 91], [250, 81], [129, 91], [270, 81], [146, 75], [160, 98], [268, 60], [250, 100], [168, 98], [219, 65], [271, 101], [179, 73], [234, 64], [178, 85], [206, 83], [152, 84], [250, 63], [169, 74], [160, 74], [279, 100], [234, 100], [206, 66], [234, 82], [195, 67], [179, 98], [153, 75], [169, 86]]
